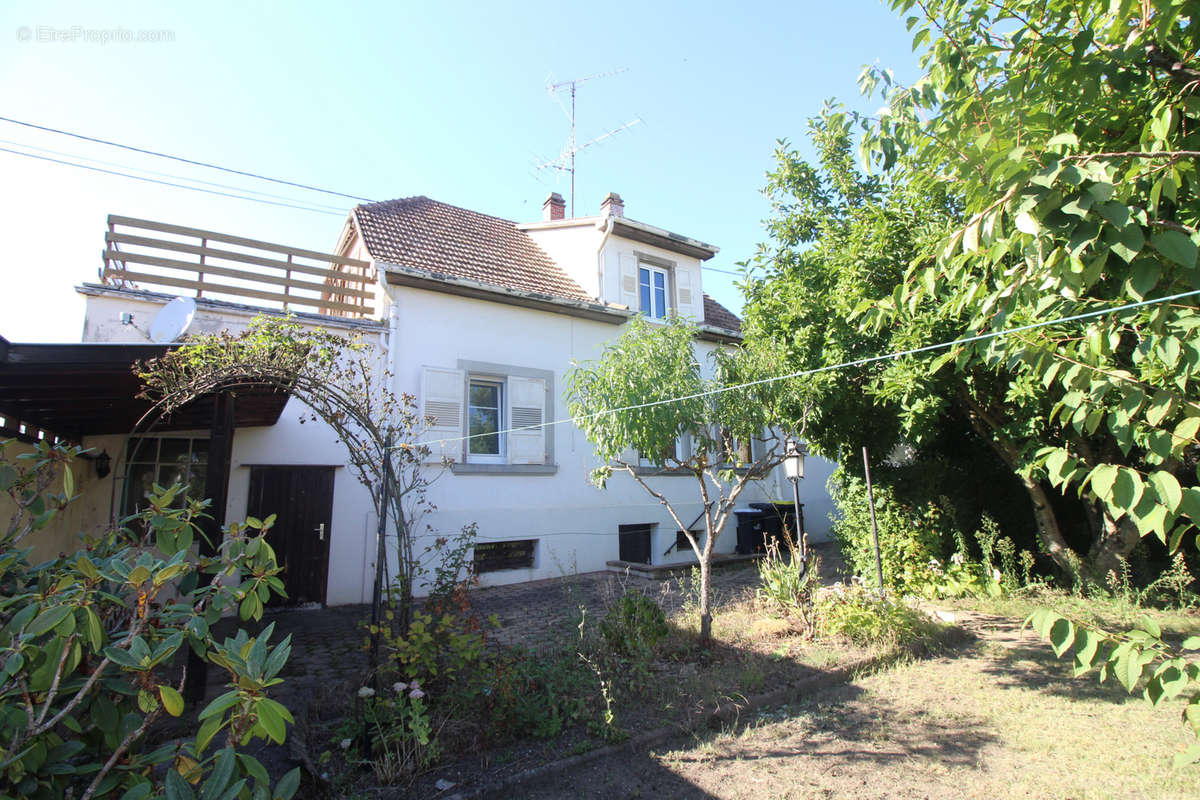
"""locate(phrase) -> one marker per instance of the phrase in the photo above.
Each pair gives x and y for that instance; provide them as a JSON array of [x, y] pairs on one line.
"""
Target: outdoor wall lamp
[[101, 463], [793, 469]]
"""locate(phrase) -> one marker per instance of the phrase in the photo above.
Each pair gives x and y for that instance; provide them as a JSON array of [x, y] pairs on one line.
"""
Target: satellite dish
[[174, 318]]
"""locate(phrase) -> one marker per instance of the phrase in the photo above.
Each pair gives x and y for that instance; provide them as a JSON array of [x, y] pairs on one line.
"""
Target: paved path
[[329, 658], [328, 644]]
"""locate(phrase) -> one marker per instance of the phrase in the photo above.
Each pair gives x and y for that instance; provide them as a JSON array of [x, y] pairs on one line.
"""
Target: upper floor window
[[652, 291]]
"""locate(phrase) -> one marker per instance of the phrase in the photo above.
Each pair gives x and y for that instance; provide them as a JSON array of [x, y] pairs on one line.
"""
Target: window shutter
[[688, 295], [526, 408], [442, 408], [629, 281]]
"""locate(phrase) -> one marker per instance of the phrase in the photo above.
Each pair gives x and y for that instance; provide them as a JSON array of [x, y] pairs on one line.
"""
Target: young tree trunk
[[705, 593]]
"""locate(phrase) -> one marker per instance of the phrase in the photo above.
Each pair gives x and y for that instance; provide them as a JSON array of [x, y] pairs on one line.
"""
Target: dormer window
[[653, 291]]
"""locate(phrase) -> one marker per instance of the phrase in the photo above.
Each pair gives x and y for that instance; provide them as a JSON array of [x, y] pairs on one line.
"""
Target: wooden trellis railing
[[140, 253]]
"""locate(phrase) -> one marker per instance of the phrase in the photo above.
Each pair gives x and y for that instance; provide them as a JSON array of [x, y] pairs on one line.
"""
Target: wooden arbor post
[[220, 455]]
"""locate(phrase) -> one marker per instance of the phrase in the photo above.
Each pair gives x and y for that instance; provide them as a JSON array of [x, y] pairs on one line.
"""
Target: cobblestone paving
[[327, 643], [329, 659]]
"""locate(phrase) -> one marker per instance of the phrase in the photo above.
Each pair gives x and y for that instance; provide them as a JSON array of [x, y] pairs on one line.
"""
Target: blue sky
[[390, 100]]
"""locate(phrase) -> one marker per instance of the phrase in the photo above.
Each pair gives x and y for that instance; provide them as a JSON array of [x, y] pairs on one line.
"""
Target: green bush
[[88, 642], [857, 614], [908, 536], [787, 583], [634, 626]]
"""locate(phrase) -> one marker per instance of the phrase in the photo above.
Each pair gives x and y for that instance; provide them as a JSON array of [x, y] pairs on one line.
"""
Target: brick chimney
[[554, 207], [612, 206]]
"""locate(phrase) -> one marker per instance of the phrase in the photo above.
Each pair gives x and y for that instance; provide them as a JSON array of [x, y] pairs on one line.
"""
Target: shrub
[[859, 615], [908, 536], [634, 626], [394, 731], [786, 584], [88, 642]]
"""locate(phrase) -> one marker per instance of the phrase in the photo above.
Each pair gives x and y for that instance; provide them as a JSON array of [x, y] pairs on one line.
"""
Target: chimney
[[612, 206], [554, 207]]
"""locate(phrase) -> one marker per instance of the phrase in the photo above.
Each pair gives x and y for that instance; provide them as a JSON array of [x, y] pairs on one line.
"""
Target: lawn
[[976, 708], [998, 717]]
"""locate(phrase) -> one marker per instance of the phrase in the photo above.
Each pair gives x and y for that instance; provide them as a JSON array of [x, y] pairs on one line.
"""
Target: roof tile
[[718, 315], [423, 234]]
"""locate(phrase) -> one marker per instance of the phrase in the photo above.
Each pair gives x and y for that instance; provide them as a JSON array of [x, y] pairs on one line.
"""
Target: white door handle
[[321, 531]]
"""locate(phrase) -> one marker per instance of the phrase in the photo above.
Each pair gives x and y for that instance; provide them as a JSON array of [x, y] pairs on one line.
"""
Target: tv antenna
[[566, 159]]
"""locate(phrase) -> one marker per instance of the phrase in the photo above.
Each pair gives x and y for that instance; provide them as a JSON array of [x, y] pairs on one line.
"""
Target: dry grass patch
[[1004, 720]]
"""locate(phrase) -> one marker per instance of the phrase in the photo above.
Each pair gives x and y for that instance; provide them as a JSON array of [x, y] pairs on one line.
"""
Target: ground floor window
[[496, 556], [682, 544], [633, 543], [484, 413], [164, 461]]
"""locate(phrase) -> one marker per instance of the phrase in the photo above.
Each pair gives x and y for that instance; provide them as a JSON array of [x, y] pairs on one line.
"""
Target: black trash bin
[[778, 518], [749, 531]]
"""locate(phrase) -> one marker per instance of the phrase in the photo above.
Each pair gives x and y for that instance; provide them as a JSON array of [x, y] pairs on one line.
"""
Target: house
[[480, 318]]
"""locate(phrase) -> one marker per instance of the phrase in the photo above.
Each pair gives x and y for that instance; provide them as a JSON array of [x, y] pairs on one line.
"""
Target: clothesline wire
[[827, 368]]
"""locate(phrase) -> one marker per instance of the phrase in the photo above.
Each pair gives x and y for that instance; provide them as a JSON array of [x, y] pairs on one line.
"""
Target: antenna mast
[[566, 159]]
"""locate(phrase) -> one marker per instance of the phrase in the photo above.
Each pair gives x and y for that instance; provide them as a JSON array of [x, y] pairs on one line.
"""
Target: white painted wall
[[575, 524], [288, 442], [573, 245]]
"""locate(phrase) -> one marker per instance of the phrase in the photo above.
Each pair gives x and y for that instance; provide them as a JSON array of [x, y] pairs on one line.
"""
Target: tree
[[344, 384], [647, 392], [841, 238], [1069, 131]]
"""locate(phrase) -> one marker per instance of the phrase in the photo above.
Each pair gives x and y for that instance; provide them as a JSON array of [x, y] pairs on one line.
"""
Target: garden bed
[[755, 659]]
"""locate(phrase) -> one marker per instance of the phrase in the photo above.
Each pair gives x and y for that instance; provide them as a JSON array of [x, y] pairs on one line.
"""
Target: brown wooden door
[[302, 500]]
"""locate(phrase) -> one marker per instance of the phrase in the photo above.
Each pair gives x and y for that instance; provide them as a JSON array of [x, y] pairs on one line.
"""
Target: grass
[[1003, 719], [1111, 613]]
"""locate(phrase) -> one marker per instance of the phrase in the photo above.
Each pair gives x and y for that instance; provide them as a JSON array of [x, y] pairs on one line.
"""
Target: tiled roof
[[423, 234], [720, 316]]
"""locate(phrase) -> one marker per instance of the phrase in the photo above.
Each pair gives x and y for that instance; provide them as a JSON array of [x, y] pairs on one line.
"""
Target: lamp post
[[793, 469]]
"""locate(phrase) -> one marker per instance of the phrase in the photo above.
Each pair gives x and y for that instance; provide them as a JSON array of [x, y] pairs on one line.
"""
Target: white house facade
[[480, 318]]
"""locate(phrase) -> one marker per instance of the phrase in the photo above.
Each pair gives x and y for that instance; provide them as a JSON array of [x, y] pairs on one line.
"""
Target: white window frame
[[651, 270], [500, 457]]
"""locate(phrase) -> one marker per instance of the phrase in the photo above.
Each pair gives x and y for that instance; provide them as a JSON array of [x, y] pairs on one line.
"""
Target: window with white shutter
[[629, 280], [688, 294], [526, 415], [442, 410]]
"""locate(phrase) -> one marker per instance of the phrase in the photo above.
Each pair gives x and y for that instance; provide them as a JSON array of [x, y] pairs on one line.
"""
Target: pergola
[[69, 391], [64, 392]]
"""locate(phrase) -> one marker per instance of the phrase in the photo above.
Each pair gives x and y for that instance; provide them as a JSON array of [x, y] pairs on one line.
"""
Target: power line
[[164, 174], [170, 183], [834, 367], [193, 162]]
